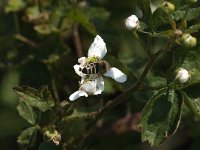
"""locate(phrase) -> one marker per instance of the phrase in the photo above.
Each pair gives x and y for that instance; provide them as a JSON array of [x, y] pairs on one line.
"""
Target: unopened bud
[[182, 75], [132, 22], [188, 40], [191, 1], [167, 7]]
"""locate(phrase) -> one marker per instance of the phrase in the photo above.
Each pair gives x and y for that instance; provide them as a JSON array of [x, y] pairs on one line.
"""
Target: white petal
[[99, 86], [89, 86], [77, 94], [97, 48], [82, 60], [132, 22], [116, 74], [76, 68]]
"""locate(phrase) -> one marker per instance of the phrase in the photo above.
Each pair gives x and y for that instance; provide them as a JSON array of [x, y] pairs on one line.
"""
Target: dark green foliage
[[40, 42]]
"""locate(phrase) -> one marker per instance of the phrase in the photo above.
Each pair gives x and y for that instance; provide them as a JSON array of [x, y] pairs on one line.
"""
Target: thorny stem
[[77, 41], [137, 86]]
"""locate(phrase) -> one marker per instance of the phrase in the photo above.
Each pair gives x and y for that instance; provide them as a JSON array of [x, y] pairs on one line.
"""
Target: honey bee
[[95, 68]]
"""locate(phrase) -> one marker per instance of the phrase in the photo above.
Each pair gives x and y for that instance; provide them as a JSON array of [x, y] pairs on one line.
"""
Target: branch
[[137, 86], [77, 41]]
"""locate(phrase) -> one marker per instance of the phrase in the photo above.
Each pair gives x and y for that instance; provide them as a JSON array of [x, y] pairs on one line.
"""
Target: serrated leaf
[[26, 135], [192, 103], [160, 117], [191, 14], [26, 112], [40, 99]]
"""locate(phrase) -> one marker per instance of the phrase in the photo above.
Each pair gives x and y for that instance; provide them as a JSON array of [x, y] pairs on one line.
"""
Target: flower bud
[[132, 22], [191, 1], [182, 75], [188, 41], [167, 7]]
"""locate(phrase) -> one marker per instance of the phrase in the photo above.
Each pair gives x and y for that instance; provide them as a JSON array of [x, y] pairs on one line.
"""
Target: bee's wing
[[97, 48]]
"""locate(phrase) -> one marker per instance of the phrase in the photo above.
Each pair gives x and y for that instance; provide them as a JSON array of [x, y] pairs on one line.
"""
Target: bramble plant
[[153, 53]]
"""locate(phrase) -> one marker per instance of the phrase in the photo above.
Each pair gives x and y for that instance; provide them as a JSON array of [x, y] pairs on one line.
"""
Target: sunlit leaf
[[160, 117], [40, 99], [26, 135], [26, 112]]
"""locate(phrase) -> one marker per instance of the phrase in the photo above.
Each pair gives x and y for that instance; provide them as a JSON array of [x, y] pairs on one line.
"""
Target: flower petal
[[97, 48], [77, 94], [116, 74], [89, 87], [76, 68], [82, 60], [99, 86]]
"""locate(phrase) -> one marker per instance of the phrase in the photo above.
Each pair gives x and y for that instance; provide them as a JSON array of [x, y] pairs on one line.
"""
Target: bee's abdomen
[[92, 68]]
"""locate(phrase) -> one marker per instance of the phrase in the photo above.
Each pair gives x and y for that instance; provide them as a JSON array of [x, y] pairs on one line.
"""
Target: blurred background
[[41, 40]]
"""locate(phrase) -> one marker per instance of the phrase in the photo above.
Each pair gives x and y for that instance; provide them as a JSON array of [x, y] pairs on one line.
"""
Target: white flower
[[93, 87], [182, 75], [93, 84], [132, 22]]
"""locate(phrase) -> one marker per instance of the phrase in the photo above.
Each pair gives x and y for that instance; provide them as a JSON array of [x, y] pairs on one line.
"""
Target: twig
[[77, 41], [137, 86], [25, 40]]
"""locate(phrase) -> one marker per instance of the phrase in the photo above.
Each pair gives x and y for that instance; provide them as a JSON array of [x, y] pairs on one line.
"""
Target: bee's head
[[104, 66]]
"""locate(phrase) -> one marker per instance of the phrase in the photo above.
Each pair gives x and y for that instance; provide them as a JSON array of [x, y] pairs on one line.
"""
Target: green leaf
[[97, 13], [27, 135], [193, 28], [40, 99], [160, 117], [192, 103], [79, 17], [191, 14], [45, 29], [14, 5], [26, 112]]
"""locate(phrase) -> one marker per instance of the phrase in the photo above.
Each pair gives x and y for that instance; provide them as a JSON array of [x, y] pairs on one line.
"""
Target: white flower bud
[[188, 40], [132, 22], [182, 75]]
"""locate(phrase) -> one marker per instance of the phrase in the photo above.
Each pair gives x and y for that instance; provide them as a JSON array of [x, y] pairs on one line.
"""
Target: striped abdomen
[[91, 68]]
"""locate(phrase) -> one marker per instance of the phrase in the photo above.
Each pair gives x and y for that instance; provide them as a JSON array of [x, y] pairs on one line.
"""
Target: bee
[[95, 68]]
